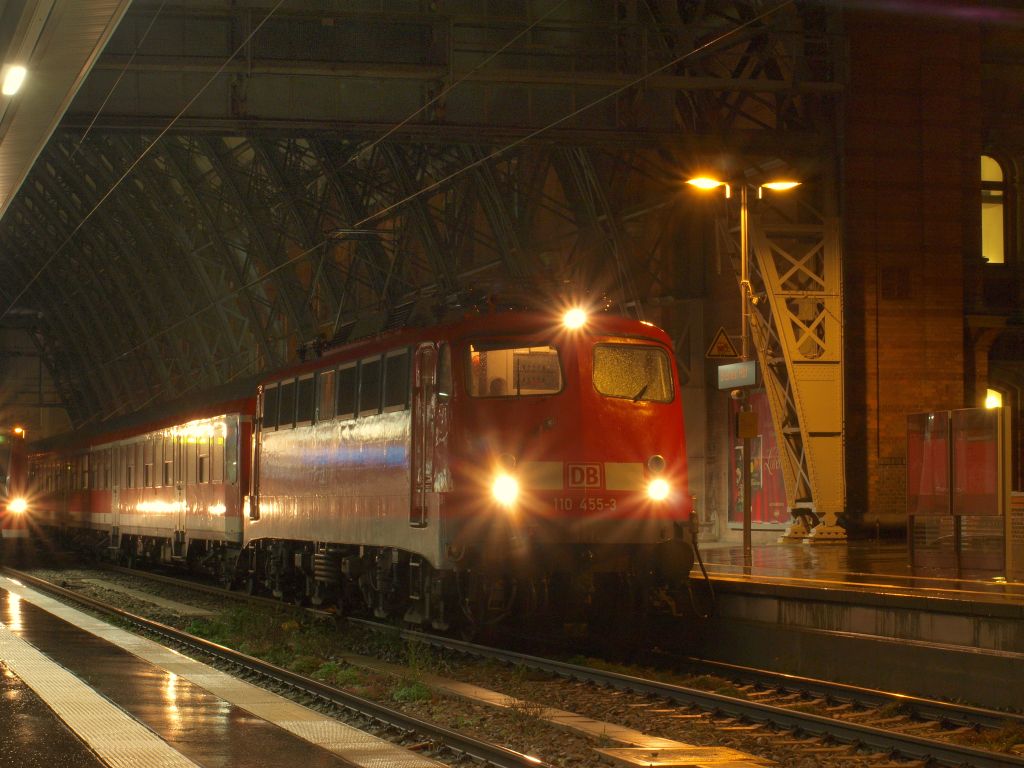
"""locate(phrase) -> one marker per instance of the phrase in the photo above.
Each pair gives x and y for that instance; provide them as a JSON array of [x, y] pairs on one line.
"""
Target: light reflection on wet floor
[[857, 565], [207, 729]]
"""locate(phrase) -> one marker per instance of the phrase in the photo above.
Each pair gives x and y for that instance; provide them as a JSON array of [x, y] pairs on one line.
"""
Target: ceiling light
[[14, 76]]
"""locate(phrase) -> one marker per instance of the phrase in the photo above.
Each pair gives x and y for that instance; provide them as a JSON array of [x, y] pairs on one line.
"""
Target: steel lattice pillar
[[797, 329]]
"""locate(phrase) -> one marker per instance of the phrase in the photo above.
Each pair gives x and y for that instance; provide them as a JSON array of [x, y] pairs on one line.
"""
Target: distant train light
[[575, 318], [657, 490], [505, 489], [18, 506]]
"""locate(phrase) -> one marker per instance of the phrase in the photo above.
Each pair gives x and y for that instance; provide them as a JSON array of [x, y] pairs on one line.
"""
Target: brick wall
[[910, 158]]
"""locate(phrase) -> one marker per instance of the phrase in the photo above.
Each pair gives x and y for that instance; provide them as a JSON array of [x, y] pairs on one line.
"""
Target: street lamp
[[746, 293], [747, 422]]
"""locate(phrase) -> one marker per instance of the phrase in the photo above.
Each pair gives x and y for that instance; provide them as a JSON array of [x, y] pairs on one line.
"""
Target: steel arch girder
[[95, 389], [50, 238]]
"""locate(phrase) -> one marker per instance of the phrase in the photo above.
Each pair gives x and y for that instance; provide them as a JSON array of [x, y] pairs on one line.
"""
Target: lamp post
[[746, 423]]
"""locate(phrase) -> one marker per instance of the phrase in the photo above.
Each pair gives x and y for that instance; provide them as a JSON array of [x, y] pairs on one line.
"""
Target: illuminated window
[[499, 370], [993, 398], [992, 199]]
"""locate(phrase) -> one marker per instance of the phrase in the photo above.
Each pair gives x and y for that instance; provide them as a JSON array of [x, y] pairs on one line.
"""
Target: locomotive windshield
[[632, 371], [503, 371]]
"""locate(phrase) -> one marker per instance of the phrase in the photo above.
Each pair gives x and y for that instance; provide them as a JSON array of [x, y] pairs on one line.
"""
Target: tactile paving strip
[[115, 736], [354, 745]]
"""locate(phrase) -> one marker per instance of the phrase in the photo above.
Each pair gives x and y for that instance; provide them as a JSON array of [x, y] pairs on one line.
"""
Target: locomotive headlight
[[18, 506], [574, 318], [658, 489], [505, 489]]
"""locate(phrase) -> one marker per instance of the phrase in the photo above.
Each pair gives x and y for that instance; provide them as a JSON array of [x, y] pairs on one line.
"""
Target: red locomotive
[[500, 465]]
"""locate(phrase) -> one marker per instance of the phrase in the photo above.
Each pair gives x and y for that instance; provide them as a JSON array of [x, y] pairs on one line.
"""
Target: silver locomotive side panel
[[341, 482]]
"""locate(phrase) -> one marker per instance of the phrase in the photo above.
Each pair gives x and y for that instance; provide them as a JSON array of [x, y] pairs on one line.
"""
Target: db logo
[[584, 475]]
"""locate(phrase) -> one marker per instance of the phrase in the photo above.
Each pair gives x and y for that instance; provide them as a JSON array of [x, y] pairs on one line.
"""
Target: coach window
[[304, 400], [231, 450], [129, 468], [369, 386], [348, 387], [396, 380], [158, 460], [148, 478], [286, 403], [190, 461], [203, 457], [325, 395], [269, 414], [217, 458], [168, 472]]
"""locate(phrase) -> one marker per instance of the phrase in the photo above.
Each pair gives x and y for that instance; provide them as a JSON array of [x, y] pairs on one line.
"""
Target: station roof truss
[[339, 171]]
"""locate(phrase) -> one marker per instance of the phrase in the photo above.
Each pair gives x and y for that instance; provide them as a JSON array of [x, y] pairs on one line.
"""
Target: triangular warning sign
[[722, 346]]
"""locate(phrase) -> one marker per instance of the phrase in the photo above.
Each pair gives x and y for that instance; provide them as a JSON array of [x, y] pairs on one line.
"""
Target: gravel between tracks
[[316, 651]]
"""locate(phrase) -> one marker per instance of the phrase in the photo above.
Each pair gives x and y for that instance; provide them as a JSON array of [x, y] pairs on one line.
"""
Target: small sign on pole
[[733, 375], [722, 346]]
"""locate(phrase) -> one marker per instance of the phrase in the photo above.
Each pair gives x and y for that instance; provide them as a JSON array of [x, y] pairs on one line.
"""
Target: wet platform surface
[[856, 566], [135, 703], [31, 735], [201, 726]]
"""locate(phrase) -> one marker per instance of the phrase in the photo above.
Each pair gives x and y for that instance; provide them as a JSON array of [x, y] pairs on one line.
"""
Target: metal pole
[[745, 329], [744, 274], [747, 501]]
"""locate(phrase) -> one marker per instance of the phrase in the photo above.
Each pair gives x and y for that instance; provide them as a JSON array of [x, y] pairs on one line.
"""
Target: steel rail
[[489, 754], [932, 709], [905, 745]]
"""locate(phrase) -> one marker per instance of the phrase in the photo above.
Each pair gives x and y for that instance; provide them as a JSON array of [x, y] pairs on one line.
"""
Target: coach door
[[424, 401]]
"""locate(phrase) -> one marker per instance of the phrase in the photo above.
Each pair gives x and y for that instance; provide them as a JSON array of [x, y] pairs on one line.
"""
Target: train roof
[[236, 397], [481, 324]]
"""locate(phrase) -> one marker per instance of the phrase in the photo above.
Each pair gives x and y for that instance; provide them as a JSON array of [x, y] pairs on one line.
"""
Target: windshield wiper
[[641, 393]]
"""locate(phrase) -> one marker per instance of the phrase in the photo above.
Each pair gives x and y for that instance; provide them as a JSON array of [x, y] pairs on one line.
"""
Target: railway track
[[847, 714], [811, 716], [441, 739]]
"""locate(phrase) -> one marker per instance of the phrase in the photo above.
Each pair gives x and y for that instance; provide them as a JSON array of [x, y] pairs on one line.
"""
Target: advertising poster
[[768, 507]]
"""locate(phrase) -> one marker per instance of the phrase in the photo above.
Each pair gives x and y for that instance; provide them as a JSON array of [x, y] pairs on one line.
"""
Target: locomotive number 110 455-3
[[585, 504]]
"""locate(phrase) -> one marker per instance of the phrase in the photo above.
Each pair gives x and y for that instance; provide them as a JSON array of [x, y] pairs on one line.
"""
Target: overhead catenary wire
[[117, 80], [710, 44]]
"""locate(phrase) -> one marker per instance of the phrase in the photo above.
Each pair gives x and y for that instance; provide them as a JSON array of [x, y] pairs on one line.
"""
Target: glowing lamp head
[[781, 185], [19, 431], [13, 77], [658, 489], [705, 182], [18, 506], [575, 318], [505, 489]]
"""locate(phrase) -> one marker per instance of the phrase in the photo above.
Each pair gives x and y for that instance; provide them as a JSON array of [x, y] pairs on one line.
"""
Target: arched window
[[993, 195]]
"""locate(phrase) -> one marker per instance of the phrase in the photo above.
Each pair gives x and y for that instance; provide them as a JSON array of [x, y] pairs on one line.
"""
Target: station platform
[[881, 567], [857, 612], [78, 691]]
